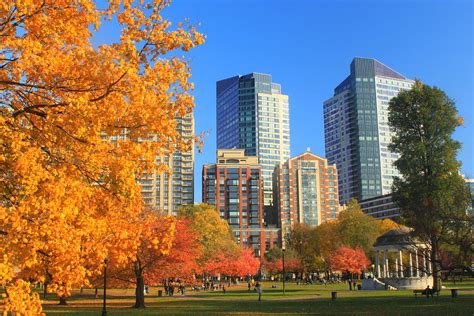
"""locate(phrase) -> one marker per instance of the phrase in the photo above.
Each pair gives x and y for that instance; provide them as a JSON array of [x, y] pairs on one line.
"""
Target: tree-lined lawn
[[302, 299]]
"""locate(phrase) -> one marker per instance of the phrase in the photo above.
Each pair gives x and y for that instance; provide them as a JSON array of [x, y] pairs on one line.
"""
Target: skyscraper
[[356, 130], [168, 192], [253, 114], [234, 185], [305, 191]]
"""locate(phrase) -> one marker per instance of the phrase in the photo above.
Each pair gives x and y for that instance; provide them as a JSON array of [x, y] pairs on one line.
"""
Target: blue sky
[[307, 47]]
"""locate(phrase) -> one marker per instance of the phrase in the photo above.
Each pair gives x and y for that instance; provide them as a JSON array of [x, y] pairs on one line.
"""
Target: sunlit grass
[[299, 299]]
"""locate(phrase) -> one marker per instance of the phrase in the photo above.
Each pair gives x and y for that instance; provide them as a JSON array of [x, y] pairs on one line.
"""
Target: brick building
[[235, 186]]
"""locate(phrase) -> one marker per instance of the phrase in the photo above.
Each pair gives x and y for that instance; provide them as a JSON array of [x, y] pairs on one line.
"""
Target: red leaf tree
[[238, 262], [352, 260], [246, 264], [181, 261]]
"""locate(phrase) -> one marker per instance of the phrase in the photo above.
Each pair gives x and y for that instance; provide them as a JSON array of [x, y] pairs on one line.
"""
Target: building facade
[[356, 130], [235, 186], [168, 192], [305, 191], [253, 114], [381, 207]]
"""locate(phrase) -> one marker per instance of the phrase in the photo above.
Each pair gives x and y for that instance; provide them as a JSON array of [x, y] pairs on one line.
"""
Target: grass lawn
[[299, 299]]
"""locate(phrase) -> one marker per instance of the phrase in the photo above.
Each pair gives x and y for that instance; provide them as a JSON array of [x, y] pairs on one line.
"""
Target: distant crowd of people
[[172, 286]]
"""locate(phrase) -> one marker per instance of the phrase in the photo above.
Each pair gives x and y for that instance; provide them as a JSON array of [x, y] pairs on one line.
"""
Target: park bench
[[427, 292]]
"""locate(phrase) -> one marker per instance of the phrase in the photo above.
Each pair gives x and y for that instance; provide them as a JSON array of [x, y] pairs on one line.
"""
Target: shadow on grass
[[371, 305]]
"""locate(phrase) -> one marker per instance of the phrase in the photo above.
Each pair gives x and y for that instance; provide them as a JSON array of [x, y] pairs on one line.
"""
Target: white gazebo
[[415, 273]]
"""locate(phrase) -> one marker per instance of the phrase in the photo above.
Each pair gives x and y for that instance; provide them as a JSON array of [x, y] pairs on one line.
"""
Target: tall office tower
[[169, 192], [356, 129], [252, 114], [305, 191], [235, 186]]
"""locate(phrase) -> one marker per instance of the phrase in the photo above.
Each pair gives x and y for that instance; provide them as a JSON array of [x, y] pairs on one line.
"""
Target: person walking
[[258, 287]]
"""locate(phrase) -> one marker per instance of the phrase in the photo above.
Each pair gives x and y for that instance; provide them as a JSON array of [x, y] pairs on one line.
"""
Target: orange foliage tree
[[156, 237], [182, 261], [352, 260], [72, 121], [235, 262], [221, 254], [247, 263]]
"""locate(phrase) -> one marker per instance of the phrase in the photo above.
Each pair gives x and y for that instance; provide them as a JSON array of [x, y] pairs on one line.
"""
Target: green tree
[[431, 193], [357, 229]]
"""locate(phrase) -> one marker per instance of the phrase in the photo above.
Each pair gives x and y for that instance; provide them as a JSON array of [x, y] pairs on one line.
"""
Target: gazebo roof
[[396, 237]]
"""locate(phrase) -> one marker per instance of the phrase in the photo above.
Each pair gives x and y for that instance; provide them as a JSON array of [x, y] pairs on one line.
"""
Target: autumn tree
[[351, 260], [221, 254], [273, 261], [301, 241], [326, 240], [72, 120], [431, 193], [156, 238], [314, 246], [214, 233], [182, 260]]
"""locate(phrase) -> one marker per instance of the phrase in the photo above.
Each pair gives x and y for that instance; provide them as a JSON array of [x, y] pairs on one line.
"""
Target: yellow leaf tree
[[73, 120]]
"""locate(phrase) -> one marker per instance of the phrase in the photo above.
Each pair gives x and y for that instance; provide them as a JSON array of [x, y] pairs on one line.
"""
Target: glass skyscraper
[[252, 114], [356, 129]]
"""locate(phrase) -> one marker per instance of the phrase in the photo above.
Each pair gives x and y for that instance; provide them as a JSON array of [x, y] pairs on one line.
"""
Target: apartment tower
[[305, 191], [235, 186], [252, 114], [168, 192]]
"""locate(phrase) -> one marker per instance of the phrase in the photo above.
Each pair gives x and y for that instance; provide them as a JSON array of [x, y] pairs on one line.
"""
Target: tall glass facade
[[253, 115], [356, 129]]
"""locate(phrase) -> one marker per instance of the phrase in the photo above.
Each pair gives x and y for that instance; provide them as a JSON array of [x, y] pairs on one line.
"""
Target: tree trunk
[[434, 265], [45, 289], [139, 292], [62, 300], [96, 293]]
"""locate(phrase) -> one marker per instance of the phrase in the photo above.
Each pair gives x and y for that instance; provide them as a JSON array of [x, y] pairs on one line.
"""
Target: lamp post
[[284, 274], [106, 261]]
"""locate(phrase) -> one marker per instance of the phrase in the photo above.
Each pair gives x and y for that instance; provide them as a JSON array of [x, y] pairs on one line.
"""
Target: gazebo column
[[423, 267], [396, 268], [377, 267], [428, 264], [410, 265], [385, 272], [417, 271], [387, 265], [400, 259]]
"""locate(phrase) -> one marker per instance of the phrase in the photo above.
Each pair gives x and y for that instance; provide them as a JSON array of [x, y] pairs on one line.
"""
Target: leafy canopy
[[431, 193], [73, 118]]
